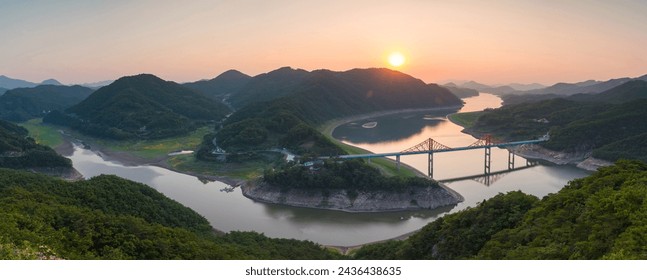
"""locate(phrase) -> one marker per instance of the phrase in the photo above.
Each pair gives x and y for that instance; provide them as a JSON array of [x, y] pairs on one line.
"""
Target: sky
[[494, 42]]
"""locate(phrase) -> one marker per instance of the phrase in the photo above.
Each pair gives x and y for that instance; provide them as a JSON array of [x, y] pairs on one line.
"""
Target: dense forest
[[107, 217], [142, 106], [602, 216], [22, 104], [351, 175], [610, 123], [19, 151]]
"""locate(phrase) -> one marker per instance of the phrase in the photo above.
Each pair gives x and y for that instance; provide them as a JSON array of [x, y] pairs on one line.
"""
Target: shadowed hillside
[[142, 106], [22, 104]]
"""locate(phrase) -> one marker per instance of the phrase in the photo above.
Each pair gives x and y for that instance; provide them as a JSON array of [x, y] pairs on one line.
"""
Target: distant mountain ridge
[[141, 106], [227, 83], [10, 83], [22, 104], [589, 86]]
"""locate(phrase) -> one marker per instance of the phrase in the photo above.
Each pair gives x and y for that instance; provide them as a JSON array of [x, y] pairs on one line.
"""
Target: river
[[229, 210]]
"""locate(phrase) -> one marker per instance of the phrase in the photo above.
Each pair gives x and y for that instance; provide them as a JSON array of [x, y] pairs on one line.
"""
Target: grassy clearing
[[465, 120], [245, 170], [43, 134], [387, 166], [150, 149]]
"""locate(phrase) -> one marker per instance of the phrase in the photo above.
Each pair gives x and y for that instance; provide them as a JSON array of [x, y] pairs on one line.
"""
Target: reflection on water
[[229, 211]]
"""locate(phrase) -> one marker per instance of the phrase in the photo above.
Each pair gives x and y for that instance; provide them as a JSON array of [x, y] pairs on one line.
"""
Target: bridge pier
[[430, 170], [510, 160], [488, 160], [397, 162]]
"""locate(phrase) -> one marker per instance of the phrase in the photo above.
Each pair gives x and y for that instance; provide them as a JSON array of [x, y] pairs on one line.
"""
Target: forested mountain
[[610, 123], [108, 217], [628, 91], [229, 82], [22, 104], [2, 91], [19, 151], [602, 216], [325, 95], [269, 86], [142, 106]]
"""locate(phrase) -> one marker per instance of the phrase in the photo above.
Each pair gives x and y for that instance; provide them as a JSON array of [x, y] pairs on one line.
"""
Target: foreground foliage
[[112, 218], [603, 216]]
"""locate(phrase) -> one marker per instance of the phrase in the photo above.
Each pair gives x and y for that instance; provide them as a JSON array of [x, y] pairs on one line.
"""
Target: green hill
[[602, 216], [142, 106], [18, 151], [22, 104], [107, 217], [268, 86], [289, 121], [227, 83], [610, 124]]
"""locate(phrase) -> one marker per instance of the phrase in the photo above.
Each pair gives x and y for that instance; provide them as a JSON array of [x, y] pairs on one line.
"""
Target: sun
[[396, 59]]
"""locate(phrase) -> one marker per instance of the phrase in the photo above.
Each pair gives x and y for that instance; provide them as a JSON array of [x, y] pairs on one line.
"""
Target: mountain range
[[22, 104], [299, 100], [141, 106], [589, 86]]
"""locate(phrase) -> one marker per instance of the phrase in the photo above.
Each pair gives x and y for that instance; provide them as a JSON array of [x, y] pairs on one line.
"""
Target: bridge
[[430, 147]]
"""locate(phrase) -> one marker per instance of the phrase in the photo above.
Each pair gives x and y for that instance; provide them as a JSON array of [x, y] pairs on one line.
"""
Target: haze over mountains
[[22, 104], [7, 83], [589, 86]]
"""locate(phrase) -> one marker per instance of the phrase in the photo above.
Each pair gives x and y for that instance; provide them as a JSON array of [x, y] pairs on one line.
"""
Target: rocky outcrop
[[377, 201], [582, 160]]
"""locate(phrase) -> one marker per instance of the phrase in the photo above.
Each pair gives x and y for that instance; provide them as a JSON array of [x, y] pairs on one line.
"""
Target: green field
[[244, 170], [465, 120], [42, 133], [151, 149]]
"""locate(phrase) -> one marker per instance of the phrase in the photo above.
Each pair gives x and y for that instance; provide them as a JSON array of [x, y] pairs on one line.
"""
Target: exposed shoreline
[[411, 199], [582, 160]]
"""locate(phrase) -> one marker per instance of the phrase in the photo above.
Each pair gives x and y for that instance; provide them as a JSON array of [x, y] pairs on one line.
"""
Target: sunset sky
[[488, 41]]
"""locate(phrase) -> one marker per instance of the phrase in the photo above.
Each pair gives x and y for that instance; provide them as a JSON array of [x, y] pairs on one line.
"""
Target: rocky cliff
[[378, 201]]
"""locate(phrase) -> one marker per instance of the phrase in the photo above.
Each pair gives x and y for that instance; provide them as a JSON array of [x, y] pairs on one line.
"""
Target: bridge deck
[[499, 145]]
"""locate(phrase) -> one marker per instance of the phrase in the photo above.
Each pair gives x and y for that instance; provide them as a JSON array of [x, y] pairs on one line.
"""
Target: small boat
[[369, 125]]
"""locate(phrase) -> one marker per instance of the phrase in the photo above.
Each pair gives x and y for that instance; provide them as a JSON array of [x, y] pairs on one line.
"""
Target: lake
[[228, 210]]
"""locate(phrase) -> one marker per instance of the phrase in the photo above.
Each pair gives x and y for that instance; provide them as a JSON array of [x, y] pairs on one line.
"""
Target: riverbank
[[582, 160], [375, 201], [386, 165]]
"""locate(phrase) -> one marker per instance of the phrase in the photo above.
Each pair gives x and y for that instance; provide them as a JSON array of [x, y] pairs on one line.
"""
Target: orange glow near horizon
[[493, 42]]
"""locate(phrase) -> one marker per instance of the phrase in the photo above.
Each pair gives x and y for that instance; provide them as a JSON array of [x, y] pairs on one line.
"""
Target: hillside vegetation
[[323, 95], [603, 216], [22, 104], [18, 151], [225, 84], [610, 123], [142, 107], [108, 217]]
